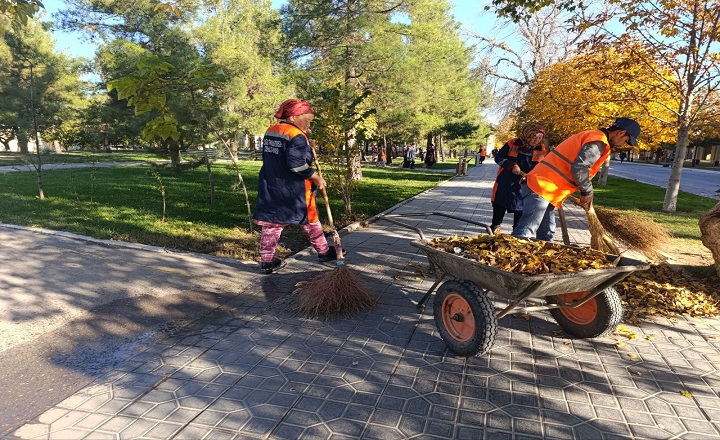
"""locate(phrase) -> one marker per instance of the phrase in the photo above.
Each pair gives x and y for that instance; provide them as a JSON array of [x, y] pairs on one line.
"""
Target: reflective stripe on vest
[[552, 178]]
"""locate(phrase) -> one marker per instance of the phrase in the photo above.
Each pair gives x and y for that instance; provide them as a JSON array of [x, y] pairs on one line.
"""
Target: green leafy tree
[[41, 90], [152, 46], [17, 13], [244, 40]]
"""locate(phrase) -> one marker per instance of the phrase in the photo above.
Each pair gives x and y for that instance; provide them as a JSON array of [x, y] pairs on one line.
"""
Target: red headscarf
[[293, 107], [530, 130]]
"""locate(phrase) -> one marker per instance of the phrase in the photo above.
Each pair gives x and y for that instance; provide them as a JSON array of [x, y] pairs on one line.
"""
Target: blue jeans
[[538, 217]]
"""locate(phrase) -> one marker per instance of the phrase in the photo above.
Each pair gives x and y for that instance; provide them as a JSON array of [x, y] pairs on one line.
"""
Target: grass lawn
[[126, 204], [643, 199], [14, 159]]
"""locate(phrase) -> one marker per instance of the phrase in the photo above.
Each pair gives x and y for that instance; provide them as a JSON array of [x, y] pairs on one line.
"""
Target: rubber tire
[[483, 314], [608, 316]]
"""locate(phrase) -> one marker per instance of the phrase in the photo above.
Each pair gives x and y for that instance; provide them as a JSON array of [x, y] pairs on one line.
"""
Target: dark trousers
[[499, 215]]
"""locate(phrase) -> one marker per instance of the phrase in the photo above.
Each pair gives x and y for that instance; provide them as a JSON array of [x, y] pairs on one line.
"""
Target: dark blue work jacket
[[284, 195], [506, 191]]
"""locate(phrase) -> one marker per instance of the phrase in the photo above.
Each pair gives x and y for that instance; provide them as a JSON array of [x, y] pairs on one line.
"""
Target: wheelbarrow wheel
[[464, 317], [596, 317]]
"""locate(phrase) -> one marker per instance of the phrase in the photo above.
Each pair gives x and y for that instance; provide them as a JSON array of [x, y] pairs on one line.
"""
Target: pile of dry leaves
[[522, 256], [662, 291]]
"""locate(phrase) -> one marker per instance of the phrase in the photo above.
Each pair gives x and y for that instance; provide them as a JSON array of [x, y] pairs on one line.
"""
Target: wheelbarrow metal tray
[[514, 285]]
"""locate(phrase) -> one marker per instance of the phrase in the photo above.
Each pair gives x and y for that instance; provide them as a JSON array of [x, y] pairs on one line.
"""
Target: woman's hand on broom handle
[[318, 181]]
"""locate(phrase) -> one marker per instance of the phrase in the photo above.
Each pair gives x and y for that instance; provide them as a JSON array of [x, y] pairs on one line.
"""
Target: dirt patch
[[687, 253]]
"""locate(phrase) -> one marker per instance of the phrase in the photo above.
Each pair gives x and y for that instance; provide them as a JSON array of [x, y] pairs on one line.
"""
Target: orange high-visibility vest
[[552, 180]]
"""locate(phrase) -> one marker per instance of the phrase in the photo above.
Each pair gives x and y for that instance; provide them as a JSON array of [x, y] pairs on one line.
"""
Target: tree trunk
[[440, 149], [710, 234], [23, 142], [211, 179], [604, 172], [56, 146], [670, 203], [388, 151], [252, 141], [175, 156], [354, 156]]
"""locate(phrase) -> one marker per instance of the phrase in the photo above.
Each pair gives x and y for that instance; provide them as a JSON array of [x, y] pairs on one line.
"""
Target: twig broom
[[338, 292], [635, 231], [599, 238]]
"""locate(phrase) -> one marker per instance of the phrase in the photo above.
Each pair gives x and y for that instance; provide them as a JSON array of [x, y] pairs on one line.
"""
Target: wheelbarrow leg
[[421, 303]]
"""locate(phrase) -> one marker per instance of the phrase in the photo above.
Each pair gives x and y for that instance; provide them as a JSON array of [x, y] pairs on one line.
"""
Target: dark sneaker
[[330, 255], [269, 267]]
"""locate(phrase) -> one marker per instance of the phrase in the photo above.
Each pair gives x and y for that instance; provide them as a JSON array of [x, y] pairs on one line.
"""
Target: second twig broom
[[338, 292], [634, 230]]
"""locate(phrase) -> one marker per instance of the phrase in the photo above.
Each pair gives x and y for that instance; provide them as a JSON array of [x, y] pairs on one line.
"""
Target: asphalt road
[[73, 307], [698, 181]]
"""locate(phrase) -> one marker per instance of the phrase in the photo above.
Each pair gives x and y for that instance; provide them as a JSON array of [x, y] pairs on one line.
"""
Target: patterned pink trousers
[[270, 237]]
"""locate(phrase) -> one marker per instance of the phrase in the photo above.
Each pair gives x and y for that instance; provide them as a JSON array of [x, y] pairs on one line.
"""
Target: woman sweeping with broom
[[566, 169], [287, 184]]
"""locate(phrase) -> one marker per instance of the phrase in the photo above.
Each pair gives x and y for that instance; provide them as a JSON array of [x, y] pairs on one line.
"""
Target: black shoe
[[330, 255], [268, 267]]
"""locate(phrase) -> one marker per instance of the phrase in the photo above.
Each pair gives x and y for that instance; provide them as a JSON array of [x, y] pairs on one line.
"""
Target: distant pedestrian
[[482, 153], [430, 159], [411, 156], [516, 158], [622, 157], [381, 158]]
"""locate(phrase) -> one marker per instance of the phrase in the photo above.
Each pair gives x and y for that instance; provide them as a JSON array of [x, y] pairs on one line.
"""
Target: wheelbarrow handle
[[425, 214]]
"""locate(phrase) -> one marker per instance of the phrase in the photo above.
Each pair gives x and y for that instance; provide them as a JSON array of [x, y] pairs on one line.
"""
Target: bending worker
[[566, 169]]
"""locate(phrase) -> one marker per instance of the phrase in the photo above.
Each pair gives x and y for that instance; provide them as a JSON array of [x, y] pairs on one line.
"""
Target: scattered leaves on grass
[[522, 256], [662, 291]]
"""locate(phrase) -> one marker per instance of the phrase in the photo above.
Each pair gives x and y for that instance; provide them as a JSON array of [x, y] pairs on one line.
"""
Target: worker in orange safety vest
[[565, 170]]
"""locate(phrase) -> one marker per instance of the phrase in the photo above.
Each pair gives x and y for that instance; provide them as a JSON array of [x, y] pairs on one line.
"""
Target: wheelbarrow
[[583, 303]]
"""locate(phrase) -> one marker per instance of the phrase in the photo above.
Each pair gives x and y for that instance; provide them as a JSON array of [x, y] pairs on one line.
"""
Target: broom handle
[[324, 193], [336, 236], [563, 226]]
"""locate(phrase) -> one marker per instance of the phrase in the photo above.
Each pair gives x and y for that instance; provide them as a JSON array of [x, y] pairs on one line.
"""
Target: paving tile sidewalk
[[253, 370]]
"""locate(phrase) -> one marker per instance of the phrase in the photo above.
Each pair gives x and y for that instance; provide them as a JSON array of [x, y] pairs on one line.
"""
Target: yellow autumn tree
[[590, 90]]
